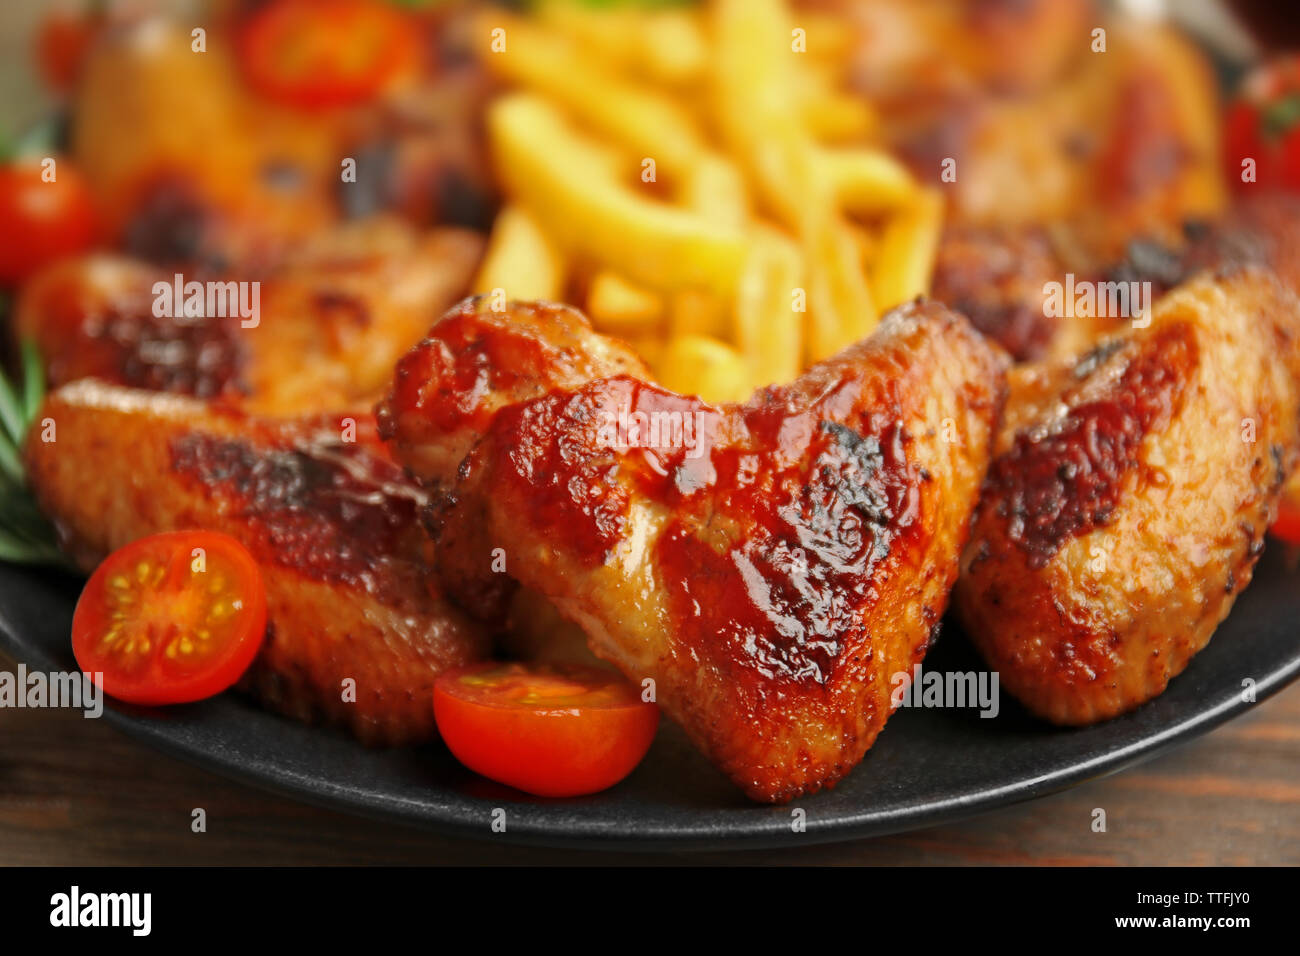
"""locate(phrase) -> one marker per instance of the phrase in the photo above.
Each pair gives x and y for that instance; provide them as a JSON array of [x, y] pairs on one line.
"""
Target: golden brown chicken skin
[[1129, 494], [996, 276], [769, 566], [332, 522], [477, 360], [1125, 143], [329, 326]]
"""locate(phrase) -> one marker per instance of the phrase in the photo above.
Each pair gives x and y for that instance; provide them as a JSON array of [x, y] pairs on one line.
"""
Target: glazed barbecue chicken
[[332, 320], [769, 566], [1129, 494], [329, 517], [476, 361]]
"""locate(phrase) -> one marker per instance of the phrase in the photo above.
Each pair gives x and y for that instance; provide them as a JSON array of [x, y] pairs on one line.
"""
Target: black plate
[[928, 765]]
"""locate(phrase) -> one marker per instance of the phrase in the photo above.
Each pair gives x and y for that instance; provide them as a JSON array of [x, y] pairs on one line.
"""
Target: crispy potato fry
[[610, 34], [639, 119], [663, 46], [768, 250], [767, 330], [695, 312], [866, 241], [521, 259], [753, 86], [672, 46], [620, 307], [908, 244], [755, 105], [698, 365], [841, 309], [552, 171], [867, 182], [715, 187], [835, 117]]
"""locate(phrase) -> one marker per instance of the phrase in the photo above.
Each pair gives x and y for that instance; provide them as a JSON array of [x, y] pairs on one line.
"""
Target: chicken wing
[[1118, 144], [331, 322], [768, 566], [1128, 498], [332, 522], [476, 361], [996, 275]]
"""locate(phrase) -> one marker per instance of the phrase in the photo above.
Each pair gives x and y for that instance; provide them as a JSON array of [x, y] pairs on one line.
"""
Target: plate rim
[[765, 830]]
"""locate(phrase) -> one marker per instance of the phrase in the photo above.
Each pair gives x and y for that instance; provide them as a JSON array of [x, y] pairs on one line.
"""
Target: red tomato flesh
[[327, 53], [43, 221], [553, 732], [1263, 125], [164, 622], [1287, 524]]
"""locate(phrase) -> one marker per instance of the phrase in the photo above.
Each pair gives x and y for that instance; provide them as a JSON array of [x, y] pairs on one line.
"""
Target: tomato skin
[[320, 54], [567, 747], [1263, 124], [150, 629], [39, 221], [1287, 524], [61, 46]]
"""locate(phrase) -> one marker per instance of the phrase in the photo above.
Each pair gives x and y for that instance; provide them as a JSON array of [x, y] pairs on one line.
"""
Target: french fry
[[552, 171], [698, 365], [622, 308], [715, 188], [755, 104], [754, 86], [611, 34], [867, 182], [866, 242], [841, 309], [908, 244], [834, 117], [521, 259], [663, 46], [646, 123], [767, 330], [672, 46], [696, 312], [705, 286]]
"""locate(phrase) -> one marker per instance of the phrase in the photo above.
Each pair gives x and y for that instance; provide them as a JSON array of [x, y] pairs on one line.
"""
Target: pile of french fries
[[699, 183]]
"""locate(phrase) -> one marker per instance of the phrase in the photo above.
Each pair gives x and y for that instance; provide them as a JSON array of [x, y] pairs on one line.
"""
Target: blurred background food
[[736, 187]]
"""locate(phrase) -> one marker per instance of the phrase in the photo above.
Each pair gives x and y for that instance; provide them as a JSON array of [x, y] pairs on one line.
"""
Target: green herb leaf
[[26, 536]]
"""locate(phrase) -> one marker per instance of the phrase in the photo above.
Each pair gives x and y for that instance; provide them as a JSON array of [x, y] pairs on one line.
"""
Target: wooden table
[[77, 792]]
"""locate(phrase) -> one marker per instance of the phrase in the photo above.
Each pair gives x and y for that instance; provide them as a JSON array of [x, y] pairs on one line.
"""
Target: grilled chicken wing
[[329, 327], [332, 523], [769, 565], [996, 277], [1123, 143], [1128, 498], [476, 361]]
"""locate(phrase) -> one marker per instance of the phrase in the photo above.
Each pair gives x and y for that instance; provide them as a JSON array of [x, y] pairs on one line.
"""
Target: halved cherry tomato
[[553, 732], [171, 618], [42, 221], [321, 53], [1263, 124], [1287, 524]]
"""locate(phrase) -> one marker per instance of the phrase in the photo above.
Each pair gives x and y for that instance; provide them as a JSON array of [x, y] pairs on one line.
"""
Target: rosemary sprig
[[26, 537]]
